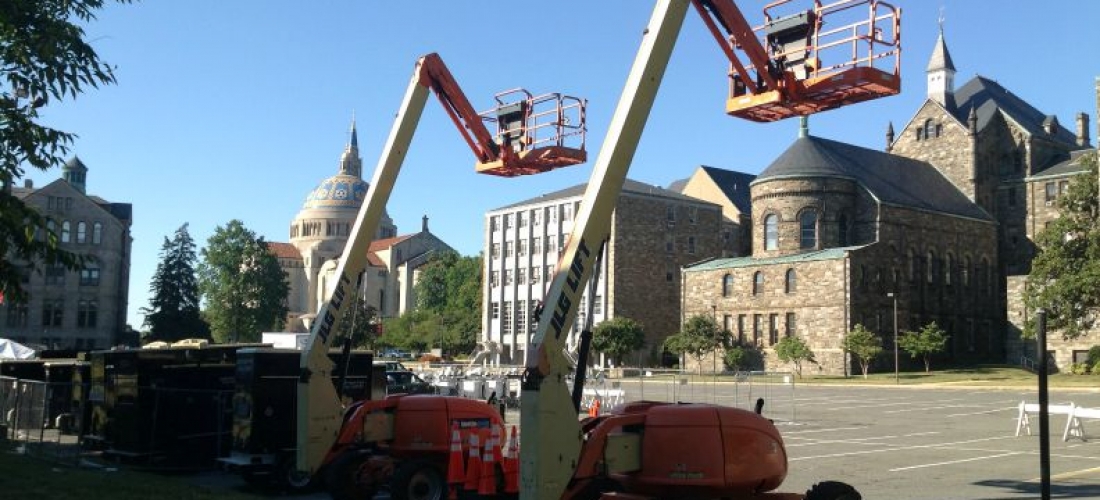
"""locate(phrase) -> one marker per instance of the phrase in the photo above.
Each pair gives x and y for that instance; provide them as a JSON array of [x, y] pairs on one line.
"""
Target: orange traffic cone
[[456, 476], [473, 466], [498, 439], [488, 484], [594, 410], [511, 464]]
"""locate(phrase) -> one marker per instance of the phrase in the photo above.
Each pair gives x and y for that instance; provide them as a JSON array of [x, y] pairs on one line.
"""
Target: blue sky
[[236, 110]]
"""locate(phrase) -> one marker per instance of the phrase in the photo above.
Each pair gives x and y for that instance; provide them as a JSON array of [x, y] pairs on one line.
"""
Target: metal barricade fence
[[36, 418]]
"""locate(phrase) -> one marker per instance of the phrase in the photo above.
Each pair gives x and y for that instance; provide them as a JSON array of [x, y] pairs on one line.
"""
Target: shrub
[[1094, 356], [1078, 368]]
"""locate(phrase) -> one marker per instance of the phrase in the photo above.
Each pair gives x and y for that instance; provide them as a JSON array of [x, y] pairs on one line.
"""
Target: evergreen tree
[[43, 57], [173, 312], [243, 287], [1065, 275]]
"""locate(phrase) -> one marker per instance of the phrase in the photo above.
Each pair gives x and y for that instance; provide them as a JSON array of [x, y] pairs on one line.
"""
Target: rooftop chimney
[[424, 224], [1082, 129], [27, 183]]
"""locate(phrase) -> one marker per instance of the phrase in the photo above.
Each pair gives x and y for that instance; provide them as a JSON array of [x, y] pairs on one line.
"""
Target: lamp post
[[892, 295], [714, 347]]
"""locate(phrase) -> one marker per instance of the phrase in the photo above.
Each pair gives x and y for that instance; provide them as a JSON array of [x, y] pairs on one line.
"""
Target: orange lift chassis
[[795, 64], [533, 134]]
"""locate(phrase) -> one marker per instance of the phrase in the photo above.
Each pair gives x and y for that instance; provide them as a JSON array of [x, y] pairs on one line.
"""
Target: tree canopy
[[173, 312], [1065, 275], [796, 351], [448, 292], [618, 337], [700, 335], [924, 343], [243, 287], [43, 58], [864, 345]]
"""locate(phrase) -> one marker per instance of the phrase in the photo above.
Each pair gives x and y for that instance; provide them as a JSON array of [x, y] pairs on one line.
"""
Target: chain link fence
[[35, 417]]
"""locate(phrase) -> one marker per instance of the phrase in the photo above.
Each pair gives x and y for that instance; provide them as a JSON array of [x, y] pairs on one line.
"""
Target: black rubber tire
[[418, 480], [289, 480], [343, 478], [832, 490]]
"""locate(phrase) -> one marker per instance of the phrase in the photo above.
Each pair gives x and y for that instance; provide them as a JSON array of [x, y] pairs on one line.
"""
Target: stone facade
[[76, 309], [654, 233]]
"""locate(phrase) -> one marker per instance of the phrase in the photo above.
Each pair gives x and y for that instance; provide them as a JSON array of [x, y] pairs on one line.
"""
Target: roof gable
[[987, 97], [734, 185], [891, 179]]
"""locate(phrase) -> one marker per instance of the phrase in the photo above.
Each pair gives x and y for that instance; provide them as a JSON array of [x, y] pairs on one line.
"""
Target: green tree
[[360, 323], [923, 344], [413, 331], [449, 290], [618, 337], [744, 356], [1065, 275], [243, 288], [43, 57], [864, 345], [173, 312], [700, 335], [794, 350]]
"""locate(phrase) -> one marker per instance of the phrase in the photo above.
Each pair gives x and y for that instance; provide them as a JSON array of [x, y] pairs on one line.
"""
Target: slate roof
[[735, 185], [629, 186], [735, 262], [1072, 166], [892, 179], [941, 58], [987, 97]]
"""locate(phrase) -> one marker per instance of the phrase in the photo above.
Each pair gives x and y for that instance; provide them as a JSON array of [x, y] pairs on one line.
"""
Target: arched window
[[81, 232], [948, 269], [930, 267], [913, 265], [757, 283], [929, 129], [771, 232], [65, 229], [97, 233], [792, 282], [843, 230], [965, 270], [808, 233], [727, 285], [987, 277]]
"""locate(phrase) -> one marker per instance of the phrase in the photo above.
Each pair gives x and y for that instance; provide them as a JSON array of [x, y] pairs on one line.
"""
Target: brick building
[[83, 309], [655, 232]]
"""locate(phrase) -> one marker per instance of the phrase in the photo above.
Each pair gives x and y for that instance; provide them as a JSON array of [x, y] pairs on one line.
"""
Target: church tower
[[941, 75]]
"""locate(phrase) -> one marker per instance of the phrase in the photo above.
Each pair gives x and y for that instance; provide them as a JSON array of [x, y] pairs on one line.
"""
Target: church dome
[[339, 191]]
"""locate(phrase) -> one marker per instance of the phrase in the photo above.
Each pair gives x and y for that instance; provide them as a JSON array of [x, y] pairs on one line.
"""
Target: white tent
[[9, 349]]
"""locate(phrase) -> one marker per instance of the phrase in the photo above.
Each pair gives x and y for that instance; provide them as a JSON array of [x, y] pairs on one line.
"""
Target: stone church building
[[937, 228], [319, 233]]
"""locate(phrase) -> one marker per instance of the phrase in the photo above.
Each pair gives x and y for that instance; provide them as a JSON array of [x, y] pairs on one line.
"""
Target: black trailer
[[168, 406], [265, 410]]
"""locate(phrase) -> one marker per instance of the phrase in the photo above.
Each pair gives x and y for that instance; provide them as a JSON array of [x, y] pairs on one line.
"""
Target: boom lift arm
[[774, 89], [534, 134]]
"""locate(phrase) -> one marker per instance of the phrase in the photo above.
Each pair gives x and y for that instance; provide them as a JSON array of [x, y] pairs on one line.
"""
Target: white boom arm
[[319, 409], [551, 433]]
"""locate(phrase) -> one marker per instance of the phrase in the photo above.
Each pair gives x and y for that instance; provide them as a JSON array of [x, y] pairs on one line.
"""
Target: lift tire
[[418, 480], [289, 479], [350, 477], [832, 490]]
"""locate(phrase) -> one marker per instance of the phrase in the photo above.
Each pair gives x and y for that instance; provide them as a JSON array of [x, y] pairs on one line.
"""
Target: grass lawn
[[992, 376], [28, 477]]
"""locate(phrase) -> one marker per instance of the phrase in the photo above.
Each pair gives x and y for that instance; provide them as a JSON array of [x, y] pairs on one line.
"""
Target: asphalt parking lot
[[911, 442]]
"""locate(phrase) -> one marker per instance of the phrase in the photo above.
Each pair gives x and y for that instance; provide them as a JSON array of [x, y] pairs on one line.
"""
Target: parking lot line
[[1013, 408], [808, 431], [952, 462], [901, 448], [1071, 474]]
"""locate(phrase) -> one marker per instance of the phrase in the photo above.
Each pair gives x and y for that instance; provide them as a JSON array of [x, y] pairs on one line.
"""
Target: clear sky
[[237, 109]]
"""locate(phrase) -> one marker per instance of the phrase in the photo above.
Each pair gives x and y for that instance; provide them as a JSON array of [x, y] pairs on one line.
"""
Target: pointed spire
[[941, 57], [350, 163], [972, 120], [889, 135]]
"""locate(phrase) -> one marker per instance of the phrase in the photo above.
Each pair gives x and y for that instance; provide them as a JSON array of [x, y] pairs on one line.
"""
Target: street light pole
[[897, 378]]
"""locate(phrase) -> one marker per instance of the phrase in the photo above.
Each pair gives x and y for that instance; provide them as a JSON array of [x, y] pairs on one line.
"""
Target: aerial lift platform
[[637, 449]]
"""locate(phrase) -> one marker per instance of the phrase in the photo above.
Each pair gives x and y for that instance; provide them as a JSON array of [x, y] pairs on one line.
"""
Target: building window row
[[1055, 190], [66, 234], [943, 271], [929, 130], [790, 283], [763, 326]]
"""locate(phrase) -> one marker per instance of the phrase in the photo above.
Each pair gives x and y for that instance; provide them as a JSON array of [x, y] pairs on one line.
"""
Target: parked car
[[407, 382]]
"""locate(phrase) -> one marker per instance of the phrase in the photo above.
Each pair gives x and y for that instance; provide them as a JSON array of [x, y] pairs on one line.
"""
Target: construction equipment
[[556, 448], [644, 450], [534, 133]]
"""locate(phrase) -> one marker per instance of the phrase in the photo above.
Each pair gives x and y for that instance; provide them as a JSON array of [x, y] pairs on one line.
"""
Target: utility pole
[[1044, 404]]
